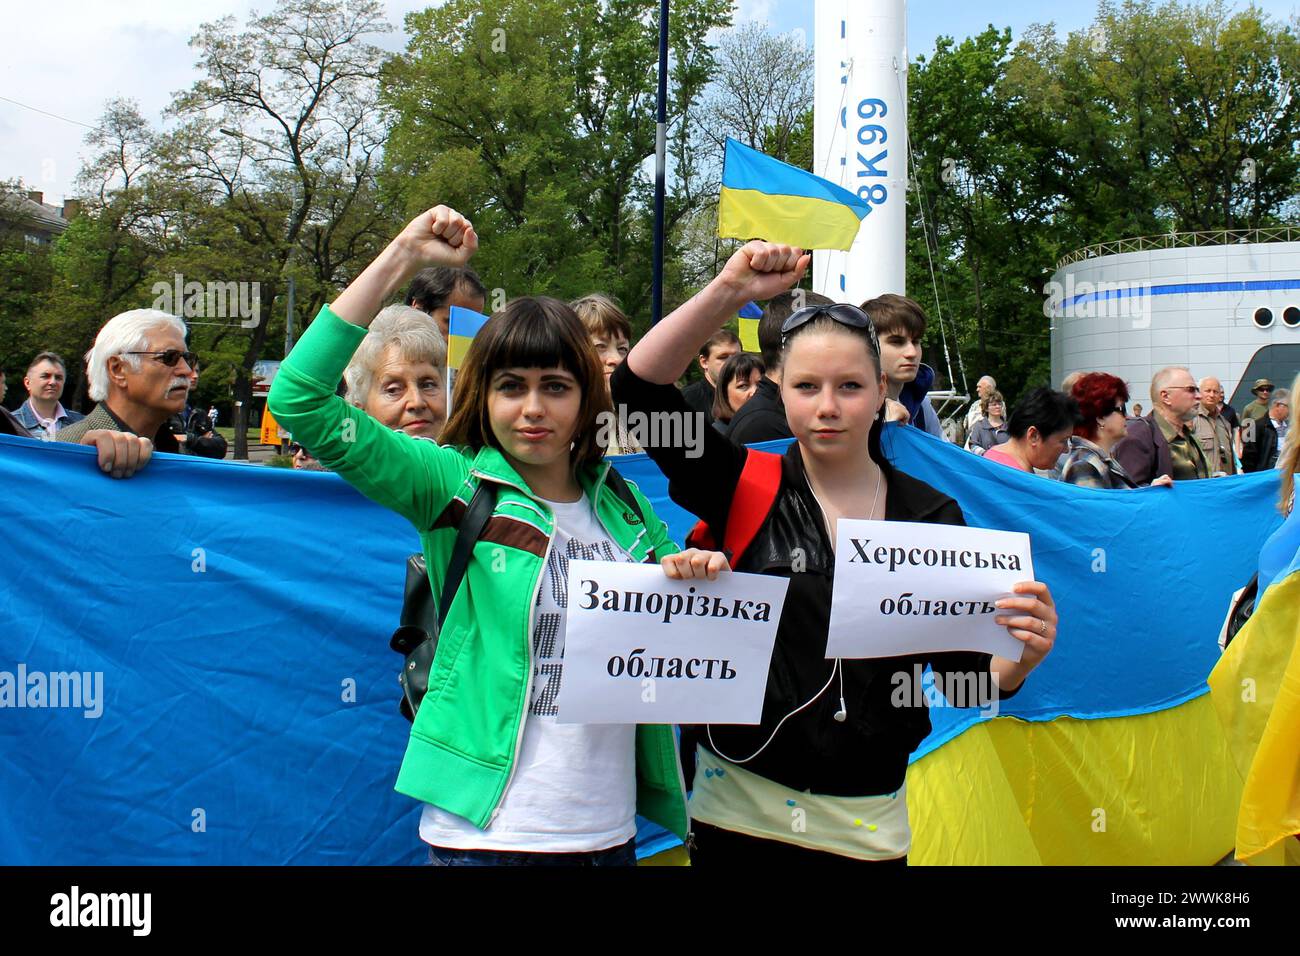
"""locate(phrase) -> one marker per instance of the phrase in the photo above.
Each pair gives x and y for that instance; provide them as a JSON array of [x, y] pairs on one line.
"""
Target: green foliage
[[1141, 125], [537, 120]]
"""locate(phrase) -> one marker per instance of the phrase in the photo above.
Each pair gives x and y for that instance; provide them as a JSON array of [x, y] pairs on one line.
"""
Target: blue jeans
[[624, 855]]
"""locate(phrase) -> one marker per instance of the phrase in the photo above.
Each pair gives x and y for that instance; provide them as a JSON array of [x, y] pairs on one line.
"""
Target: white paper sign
[[640, 648], [904, 587]]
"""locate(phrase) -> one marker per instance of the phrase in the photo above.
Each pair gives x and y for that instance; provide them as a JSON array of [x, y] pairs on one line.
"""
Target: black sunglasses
[[171, 356], [847, 315]]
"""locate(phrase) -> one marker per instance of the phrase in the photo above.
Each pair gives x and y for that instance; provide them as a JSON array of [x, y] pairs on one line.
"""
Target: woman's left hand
[[1035, 624], [694, 563]]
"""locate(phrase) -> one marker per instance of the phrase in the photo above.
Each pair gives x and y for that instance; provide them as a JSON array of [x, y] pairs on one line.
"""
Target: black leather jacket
[[866, 753]]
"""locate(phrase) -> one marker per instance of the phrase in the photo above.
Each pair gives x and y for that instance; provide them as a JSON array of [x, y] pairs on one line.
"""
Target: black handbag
[[416, 638], [1242, 610]]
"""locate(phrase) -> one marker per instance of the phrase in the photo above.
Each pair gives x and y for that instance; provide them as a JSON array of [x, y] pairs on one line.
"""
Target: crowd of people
[[364, 396], [1085, 435]]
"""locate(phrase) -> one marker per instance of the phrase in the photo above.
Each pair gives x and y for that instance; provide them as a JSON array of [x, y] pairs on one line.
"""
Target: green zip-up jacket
[[470, 725]]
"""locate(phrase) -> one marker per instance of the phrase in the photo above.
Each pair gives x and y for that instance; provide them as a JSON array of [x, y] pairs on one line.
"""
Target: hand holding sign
[[643, 648], [910, 588], [1035, 625], [694, 563]]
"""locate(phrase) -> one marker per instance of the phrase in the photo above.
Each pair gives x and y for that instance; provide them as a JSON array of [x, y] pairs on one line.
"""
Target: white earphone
[[840, 715]]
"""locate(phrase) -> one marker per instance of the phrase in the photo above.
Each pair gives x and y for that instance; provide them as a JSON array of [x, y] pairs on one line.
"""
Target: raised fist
[[760, 270], [440, 237]]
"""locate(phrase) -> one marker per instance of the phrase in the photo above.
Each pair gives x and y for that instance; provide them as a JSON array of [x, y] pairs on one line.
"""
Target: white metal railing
[[1173, 240]]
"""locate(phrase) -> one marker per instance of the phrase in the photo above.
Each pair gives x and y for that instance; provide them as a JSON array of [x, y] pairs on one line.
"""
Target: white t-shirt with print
[[574, 785]]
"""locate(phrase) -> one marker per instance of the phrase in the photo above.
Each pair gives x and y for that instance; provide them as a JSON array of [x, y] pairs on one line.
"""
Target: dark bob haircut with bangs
[[530, 332]]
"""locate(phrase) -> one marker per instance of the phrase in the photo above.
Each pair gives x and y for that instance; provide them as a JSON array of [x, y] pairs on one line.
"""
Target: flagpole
[[661, 144]]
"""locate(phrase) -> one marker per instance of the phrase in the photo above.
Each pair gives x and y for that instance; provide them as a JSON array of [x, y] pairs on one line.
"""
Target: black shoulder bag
[[416, 639], [1242, 610]]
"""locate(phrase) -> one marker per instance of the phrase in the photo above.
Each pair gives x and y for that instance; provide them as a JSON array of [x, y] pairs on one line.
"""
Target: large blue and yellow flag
[[1256, 691], [197, 669], [764, 198]]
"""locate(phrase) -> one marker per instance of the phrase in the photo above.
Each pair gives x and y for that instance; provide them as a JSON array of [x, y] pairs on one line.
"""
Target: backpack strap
[[471, 526], [618, 484], [756, 491]]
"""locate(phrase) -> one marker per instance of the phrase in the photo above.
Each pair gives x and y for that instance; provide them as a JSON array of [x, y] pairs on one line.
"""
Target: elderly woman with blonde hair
[[396, 374]]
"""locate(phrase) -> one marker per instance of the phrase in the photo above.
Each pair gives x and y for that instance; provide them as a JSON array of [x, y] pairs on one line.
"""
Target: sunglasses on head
[[170, 357], [847, 315]]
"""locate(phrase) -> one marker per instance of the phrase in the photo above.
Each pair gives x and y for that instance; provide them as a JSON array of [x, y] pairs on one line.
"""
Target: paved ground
[[256, 453]]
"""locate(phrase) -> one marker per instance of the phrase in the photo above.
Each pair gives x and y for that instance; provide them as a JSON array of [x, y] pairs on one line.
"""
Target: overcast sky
[[67, 57]]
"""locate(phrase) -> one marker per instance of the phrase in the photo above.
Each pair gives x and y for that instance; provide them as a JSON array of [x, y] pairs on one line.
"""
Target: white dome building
[[1223, 303]]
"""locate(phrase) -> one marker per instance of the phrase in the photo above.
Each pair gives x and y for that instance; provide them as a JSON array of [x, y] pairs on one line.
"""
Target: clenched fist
[[439, 237], [760, 270]]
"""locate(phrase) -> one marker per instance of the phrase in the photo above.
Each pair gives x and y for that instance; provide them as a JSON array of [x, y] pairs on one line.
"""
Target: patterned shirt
[[1088, 466], [1184, 451]]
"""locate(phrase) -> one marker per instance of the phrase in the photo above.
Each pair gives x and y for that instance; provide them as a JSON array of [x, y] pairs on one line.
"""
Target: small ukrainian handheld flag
[[765, 198], [463, 325], [749, 315]]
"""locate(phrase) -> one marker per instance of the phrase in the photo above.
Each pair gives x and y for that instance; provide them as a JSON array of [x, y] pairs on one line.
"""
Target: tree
[[1140, 125], [25, 277], [282, 136], [1172, 118], [762, 95], [100, 264], [536, 119]]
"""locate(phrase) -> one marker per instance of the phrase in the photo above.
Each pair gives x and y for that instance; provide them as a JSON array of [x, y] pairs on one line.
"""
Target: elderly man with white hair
[[1164, 444], [1213, 429], [985, 387], [141, 373]]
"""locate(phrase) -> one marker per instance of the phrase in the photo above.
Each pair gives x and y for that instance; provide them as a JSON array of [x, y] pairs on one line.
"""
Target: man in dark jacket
[[762, 418], [43, 414], [1261, 454], [1163, 444], [900, 324], [722, 345]]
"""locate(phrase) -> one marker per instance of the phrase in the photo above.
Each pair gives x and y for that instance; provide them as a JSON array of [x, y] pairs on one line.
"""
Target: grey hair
[[1279, 396], [414, 334], [123, 333], [1161, 380]]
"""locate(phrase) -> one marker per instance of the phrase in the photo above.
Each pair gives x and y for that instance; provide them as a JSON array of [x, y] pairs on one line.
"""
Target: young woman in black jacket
[[822, 778]]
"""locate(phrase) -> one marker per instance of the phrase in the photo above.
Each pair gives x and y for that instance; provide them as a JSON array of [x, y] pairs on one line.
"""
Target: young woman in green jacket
[[501, 780]]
